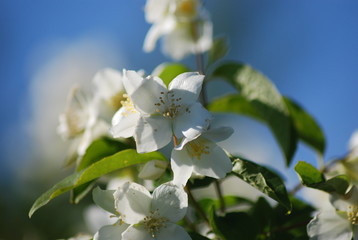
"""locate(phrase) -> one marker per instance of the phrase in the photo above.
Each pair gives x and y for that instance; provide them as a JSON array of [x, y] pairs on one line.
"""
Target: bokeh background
[[307, 48]]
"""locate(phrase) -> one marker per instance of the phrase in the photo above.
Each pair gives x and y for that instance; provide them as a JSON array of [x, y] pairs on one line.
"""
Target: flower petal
[[218, 134], [104, 199], [137, 232], [192, 122], [153, 169], [108, 82], [182, 167], [131, 80], [133, 202], [155, 10], [212, 163], [152, 133], [156, 31], [173, 232], [170, 201], [187, 86], [110, 232], [148, 94], [124, 123], [329, 226]]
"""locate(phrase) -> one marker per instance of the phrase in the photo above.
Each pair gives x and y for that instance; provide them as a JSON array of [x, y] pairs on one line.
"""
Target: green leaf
[[99, 149], [262, 179], [234, 225], [313, 178], [168, 71], [196, 236], [230, 201], [109, 164], [266, 103], [218, 50], [307, 128]]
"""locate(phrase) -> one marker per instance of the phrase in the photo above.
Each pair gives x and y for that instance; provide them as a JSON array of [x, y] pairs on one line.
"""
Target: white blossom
[[154, 114], [153, 169], [184, 26], [201, 156], [144, 216], [340, 223]]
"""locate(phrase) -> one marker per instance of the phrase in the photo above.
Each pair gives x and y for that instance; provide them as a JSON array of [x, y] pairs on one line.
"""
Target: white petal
[[205, 41], [182, 167], [104, 199], [148, 94], [214, 163], [133, 202], [173, 232], [108, 82], [329, 226], [131, 81], [110, 232], [187, 86], [178, 43], [124, 123], [155, 10], [156, 31], [170, 201], [136, 233], [218, 134], [153, 169], [192, 122], [152, 133]]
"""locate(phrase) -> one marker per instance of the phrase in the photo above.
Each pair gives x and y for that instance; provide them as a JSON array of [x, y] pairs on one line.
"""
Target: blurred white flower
[[153, 169], [154, 114], [80, 123], [185, 27], [201, 156], [340, 223], [144, 216]]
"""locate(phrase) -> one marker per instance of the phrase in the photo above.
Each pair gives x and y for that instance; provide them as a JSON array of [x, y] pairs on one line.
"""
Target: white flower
[[154, 114], [339, 224], [146, 216], [80, 121], [109, 87], [182, 23], [201, 156]]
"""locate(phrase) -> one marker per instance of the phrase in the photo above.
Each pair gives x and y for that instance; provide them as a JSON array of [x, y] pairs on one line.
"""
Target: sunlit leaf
[[259, 99], [109, 164], [313, 178], [262, 179], [168, 71]]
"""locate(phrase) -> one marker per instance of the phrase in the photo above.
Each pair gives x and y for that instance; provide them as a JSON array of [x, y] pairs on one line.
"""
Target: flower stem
[[196, 205], [220, 195]]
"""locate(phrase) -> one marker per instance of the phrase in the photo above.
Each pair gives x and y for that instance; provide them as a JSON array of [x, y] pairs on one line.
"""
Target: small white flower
[[182, 24], [201, 156], [80, 121], [339, 224], [147, 216], [154, 114]]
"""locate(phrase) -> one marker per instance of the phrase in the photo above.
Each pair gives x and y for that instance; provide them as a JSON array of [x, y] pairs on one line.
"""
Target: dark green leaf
[[218, 50], [109, 164], [230, 201], [313, 178], [262, 179], [168, 71], [307, 128], [233, 226], [267, 104]]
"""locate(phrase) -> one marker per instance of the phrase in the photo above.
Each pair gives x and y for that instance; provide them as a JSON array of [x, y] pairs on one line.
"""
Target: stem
[[196, 205], [220, 195]]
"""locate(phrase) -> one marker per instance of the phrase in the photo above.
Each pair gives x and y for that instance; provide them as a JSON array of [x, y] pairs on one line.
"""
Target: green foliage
[[260, 99], [106, 165], [262, 179], [196, 236], [230, 201], [168, 71], [219, 49], [311, 177], [99, 149], [307, 128]]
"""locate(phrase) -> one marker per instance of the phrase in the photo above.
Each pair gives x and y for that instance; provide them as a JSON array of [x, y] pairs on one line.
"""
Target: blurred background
[[307, 48]]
